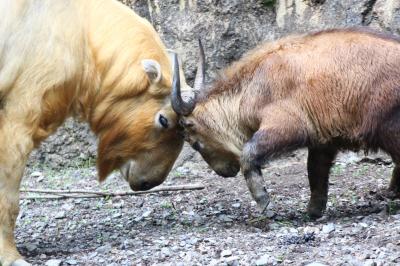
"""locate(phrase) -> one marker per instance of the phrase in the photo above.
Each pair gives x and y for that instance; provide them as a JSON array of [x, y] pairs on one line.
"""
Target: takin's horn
[[178, 104], [201, 70]]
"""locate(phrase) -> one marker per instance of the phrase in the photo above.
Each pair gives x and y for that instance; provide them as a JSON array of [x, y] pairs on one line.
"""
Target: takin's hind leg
[[389, 141], [14, 149], [319, 162], [394, 186]]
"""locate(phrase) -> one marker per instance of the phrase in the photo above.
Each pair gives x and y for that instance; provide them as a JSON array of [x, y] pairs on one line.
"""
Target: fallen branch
[[64, 194]]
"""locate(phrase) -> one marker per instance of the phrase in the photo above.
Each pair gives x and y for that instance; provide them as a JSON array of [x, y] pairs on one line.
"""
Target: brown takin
[[91, 59], [327, 91]]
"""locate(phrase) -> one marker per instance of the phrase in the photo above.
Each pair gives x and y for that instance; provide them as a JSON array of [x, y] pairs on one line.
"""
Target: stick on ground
[[64, 194]]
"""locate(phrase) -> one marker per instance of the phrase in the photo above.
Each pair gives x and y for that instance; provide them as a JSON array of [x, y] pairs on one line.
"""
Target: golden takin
[[95, 60]]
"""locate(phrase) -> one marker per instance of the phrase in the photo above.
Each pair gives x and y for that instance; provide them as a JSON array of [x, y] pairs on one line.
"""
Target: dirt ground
[[219, 225]]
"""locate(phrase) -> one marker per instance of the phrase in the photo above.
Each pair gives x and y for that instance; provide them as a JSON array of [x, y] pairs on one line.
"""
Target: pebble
[[71, 262], [166, 251], [60, 215], [316, 264], [232, 261], [104, 249], [311, 229], [226, 253], [53, 262], [265, 260], [236, 205], [31, 247], [147, 213], [370, 263], [328, 228]]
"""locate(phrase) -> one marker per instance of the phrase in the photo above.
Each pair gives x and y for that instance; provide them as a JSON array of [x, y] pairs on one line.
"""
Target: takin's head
[[199, 125], [138, 133]]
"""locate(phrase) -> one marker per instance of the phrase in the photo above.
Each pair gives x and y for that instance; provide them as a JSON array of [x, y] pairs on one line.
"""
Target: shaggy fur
[[331, 90], [79, 58]]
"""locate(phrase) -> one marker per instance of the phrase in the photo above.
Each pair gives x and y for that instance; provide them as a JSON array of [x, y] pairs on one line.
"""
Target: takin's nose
[[231, 170], [141, 186]]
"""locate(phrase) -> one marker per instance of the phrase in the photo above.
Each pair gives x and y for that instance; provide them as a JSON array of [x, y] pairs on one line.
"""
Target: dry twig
[[64, 194]]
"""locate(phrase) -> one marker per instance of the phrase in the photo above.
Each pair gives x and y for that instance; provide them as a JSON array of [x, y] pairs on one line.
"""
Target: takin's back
[[55, 55], [344, 81]]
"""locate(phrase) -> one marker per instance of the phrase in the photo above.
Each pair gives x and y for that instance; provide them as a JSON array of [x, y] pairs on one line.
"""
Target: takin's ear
[[152, 69]]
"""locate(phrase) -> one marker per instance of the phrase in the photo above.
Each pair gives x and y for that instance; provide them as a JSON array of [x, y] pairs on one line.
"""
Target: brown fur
[[83, 59], [330, 90]]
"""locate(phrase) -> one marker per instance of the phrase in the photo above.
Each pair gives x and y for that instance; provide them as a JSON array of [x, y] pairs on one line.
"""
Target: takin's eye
[[163, 121]]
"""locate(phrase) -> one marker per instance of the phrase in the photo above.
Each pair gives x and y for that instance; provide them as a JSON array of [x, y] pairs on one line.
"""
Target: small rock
[[117, 215], [38, 175], [68, 206], [265, 260], [193, 241], [166, 251], [270, 214], [60, 215], [147, 213], [316, 264], [104, 249], [31, 247], [328, 228], [236, 205], [225, 218], [226, 253], [232, 261], [71, 262], [370, 263], [53, 262], [310, 229]]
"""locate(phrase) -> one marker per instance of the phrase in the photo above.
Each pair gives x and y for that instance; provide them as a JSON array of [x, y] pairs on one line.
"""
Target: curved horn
[[178, 104], [201, 70]]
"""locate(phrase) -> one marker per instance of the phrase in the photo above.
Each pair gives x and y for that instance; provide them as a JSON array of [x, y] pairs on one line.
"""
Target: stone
[[71, 262], [53, 262], [166, 251], [328, 228], [226, 253], [104, 249], [265, 260], [316, 264], [236, 205], [60, 215]]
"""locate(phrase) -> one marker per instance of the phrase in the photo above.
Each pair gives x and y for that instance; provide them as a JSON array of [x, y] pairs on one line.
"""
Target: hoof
[[393, 192], [316, 208], [20, 262], [262, 202]]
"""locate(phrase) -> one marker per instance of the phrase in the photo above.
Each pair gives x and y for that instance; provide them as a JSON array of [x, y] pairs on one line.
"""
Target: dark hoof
[[316, 208], [393, 193]]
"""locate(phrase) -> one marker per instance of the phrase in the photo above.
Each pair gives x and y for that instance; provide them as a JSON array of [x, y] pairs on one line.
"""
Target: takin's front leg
[[14, 149], [319, 163], [281, 132]]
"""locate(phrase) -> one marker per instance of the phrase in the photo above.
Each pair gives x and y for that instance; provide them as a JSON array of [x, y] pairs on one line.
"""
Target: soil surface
[[219, 225]]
